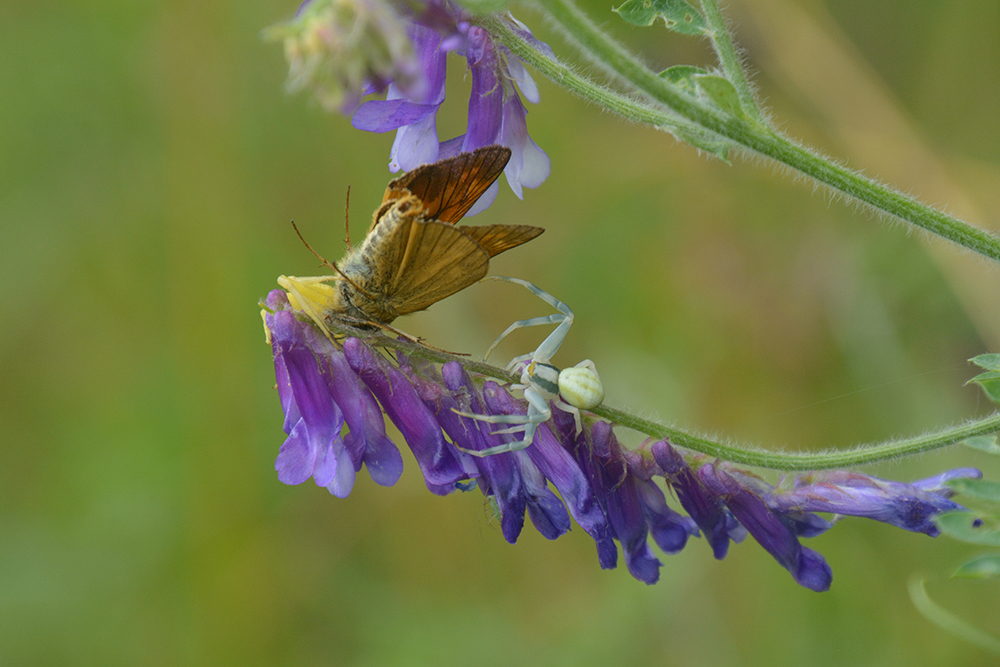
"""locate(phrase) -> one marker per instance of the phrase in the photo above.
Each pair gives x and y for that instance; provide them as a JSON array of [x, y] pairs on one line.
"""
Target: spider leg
[[564, 319]]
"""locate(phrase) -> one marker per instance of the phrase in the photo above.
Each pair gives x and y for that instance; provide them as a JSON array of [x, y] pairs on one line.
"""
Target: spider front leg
[[549, 346], [538, 412]]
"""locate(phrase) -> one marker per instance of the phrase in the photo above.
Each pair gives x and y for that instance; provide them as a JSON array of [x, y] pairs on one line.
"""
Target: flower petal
[[385, 115], [486, 100], [400, 401], [529, 166], [670, 529], [704, 507], [414, 145], [484, 201], [546, 510], [296, 456], [519, 75], [624, 508], [808, 568], [906, 506], [343, 482], [503, 478]]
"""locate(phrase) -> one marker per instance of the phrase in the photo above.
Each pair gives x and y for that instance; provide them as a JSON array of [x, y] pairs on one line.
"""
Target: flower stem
[[784, 461], [584, 87], [788, 461], [730, 61], [689, 116]]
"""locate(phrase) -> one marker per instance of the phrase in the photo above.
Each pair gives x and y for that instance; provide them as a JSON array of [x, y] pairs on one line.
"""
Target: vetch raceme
[[334, 395]]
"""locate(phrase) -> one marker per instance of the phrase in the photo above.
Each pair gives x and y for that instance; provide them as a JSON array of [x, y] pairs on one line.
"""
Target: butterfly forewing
[[450, 187]]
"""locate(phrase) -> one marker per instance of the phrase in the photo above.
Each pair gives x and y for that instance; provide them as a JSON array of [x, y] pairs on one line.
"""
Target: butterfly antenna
[[320, 257], [347, 219], [331, 265]]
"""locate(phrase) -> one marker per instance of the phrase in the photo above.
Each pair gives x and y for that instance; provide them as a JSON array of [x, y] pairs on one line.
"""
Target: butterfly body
[[414, 254]]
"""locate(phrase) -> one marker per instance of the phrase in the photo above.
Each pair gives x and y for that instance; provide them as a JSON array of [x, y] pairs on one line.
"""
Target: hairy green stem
[[728, 58], [788, 461], [784, 461], [693, 116], [609, 99]]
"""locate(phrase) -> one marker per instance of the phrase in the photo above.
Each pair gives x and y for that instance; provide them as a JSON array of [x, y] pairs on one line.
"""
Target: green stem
[[862, 455], [564, 76], [729, 60], [692, 117], [785, 461]]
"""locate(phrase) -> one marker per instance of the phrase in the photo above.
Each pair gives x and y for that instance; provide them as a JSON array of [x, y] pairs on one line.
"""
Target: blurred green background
[[149, 164]]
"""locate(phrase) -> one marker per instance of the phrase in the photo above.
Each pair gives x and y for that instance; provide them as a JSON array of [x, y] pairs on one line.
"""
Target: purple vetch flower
[[400, 401], [603, 461], [706, 508], [550, 459], [498, 475], [412, 115], [778, 538], [365, 440], [496, 114], [318, 394], [906, 506], [670, 529]]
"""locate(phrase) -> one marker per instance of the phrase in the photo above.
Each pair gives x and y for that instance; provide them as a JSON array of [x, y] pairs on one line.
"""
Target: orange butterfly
[[414, 254]]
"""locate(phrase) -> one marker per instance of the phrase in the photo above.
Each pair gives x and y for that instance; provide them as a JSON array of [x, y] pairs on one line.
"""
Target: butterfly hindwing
[[497, 238]]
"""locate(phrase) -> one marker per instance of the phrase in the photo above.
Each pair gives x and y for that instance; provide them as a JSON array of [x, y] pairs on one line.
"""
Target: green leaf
[[961, 526], [722, 93], [983, 489], [984, 443], [678, 15], [682, 76], [705, 141], [983, 567], [990, 362], [990, 383]]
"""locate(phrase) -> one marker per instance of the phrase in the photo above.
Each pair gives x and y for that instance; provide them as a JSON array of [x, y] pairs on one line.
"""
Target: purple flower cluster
[[496, 113], [346, 49], [609, 491]]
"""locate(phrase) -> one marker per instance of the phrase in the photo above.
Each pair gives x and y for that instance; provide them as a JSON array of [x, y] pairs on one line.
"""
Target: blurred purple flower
[[343, 50]]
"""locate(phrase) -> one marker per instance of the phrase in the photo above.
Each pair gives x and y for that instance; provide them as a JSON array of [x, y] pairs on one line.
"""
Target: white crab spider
[[572, 389]]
